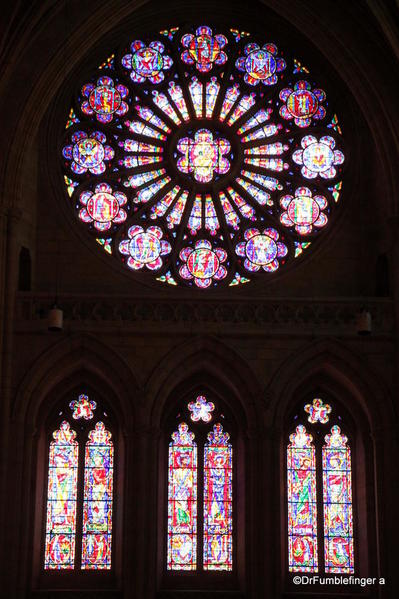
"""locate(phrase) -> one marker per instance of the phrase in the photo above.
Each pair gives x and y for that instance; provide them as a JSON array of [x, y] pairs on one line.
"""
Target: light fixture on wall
[[363, 322], [55, 318]]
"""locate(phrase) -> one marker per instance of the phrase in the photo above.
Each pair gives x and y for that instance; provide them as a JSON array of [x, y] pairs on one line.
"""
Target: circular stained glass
[[88, 152], [203, 156]]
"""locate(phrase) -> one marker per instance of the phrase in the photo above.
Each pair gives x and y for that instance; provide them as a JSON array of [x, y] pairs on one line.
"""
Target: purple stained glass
[[61, 500], [302, 506], [218, 501], [203, 155], [182, 501], [82, 407], [337, 499], [318, 411], [201, 409], [97, 500], [182, 109]]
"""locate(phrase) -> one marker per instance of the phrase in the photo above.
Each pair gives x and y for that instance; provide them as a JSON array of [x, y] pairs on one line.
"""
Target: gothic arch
[[209, 357], [333, 361], [84, 354]]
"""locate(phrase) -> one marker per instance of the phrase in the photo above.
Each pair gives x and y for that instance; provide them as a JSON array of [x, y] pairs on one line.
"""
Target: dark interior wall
[[263, 345]]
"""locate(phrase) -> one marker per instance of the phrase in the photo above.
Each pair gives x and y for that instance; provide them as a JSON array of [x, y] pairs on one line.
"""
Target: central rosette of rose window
[[202, 155]]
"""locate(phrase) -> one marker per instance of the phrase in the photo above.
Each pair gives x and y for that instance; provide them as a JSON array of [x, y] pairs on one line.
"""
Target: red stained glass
[[218, 501], [61, 500], [97, 501], [182, 501], [302, 507], [337, 497]]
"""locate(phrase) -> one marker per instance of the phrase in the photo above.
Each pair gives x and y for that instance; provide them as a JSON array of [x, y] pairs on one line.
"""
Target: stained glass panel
[[182, 501], [302, 507], [218, 501], [61, 500], [97, 500], [337, 498], [197, 106]]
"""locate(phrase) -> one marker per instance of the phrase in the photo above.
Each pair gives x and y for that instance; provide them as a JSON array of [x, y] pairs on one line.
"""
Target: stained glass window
[[97, 501], [319, 494], [200, 492], [337, 498], [80, 491], [182, 500], [302, 506], [218, 505], [61, 499], [191, 139]]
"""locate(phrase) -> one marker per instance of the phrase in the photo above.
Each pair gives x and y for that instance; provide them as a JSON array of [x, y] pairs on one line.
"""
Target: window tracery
[[190, 153], [200, 493], [319, 495], [80, 491]]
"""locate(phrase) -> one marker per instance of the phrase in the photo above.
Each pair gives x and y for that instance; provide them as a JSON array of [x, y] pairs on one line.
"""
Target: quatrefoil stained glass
[[203, 156]]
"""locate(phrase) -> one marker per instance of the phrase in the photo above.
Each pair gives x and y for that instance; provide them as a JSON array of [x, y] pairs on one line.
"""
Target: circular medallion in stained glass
[[260, 64], [303, 210], [261, 249], [318, 157], [203, 156], [145, 248], [203, 263], [147, 61], [102, 207], [88, 152], [105, 100], [302, 103]]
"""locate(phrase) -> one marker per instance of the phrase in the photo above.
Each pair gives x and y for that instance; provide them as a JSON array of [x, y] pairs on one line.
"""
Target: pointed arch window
[[200, 493], [319, 495], [80, 492]]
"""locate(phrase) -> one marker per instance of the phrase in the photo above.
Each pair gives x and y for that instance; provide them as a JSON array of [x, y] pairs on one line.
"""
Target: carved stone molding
[[317, 316]]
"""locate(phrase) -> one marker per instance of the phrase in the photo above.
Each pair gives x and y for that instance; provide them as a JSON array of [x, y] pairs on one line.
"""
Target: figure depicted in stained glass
[[318, 411], [303, 211], [97, 501], [103, 207], [201, 409], [302, 103], [204, 49], [203, 263], [182, 500], [337, 497], [82, 407], [203, 156], [302, 508], [147, 62], [88, 152], [105, 99], [61, 499], [218, 516], [318, 158], [261, 250], [145, 248], [223, 131], [260, 64]]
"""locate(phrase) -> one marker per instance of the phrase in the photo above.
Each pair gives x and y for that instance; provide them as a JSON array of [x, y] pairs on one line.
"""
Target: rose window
[[203, 157]]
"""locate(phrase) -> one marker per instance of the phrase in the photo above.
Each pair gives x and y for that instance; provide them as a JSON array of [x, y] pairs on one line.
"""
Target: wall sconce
[[363, 322], [55, 319]]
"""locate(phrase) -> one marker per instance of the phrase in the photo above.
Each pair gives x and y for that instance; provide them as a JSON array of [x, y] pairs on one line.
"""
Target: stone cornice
[[318, 316]]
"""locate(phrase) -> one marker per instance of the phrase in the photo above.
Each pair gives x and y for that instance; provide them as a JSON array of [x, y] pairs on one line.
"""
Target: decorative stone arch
[[84, 354], [334, 361], [234, 384], [330, 366], [58, 372], [206, 356]]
